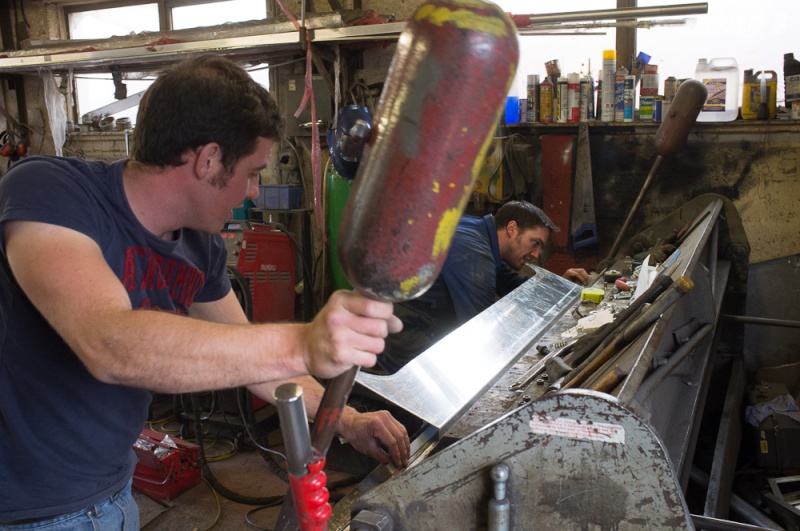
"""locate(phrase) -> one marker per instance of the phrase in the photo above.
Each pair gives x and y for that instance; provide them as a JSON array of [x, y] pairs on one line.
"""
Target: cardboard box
[[166, 467]]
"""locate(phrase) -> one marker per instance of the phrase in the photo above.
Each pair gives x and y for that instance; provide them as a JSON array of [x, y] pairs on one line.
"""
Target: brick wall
[[107, 146]]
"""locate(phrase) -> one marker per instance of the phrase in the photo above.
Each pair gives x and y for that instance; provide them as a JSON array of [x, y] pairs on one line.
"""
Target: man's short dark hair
[[200, 100], [526, 215]]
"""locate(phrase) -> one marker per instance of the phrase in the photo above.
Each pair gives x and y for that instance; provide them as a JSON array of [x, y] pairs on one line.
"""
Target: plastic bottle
[[791, 80], [721, 78], [609, 74], [759, 88]]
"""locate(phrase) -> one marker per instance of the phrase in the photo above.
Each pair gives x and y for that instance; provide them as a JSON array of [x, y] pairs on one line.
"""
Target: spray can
[[791, 80], [609, 73], [533, 98], [598, 109], [573, 97], [619, 94], [562, 96], [586, 96], [590, 101], [546, 101], [629, 95]]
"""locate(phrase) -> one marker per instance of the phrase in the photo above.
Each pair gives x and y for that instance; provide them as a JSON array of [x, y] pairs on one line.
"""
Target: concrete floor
[[242, 470], [201, 508]]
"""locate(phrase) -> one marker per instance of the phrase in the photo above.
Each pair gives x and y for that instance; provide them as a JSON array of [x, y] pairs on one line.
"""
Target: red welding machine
[[261, 264]]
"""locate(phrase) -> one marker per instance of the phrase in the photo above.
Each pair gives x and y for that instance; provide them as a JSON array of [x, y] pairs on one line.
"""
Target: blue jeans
[[116, 513]]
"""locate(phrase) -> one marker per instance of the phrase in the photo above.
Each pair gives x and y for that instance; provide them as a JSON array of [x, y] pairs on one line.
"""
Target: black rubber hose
[[212, 480]]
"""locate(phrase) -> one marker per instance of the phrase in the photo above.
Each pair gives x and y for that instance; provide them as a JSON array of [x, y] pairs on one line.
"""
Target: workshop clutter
[[634, 92], [167, 465]]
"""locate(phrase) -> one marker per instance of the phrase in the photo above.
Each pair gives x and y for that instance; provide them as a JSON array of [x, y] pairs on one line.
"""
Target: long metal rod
[[716, 524], [761, 321], [630, 12], [741, 507], [635, 208]]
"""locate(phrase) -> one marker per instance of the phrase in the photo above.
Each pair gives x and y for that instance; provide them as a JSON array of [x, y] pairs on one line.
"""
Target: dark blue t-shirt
[[65, 437], [472, 277]]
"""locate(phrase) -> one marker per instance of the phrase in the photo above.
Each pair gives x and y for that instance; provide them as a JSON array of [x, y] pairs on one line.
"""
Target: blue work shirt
[[472, 278]]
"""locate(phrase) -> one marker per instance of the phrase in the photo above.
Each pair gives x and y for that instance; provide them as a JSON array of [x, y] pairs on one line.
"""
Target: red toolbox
[[167, 465]]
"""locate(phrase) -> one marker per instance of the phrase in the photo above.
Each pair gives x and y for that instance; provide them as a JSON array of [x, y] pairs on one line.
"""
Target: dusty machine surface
[[509, 435]]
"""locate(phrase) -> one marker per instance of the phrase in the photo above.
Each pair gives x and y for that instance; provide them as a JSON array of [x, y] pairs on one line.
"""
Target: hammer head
[[442, 100]]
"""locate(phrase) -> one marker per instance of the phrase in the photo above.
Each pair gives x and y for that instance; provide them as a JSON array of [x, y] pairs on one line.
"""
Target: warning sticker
[[574, 429]]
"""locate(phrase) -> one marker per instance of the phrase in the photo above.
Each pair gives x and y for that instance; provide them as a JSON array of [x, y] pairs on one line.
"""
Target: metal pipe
[[761, 321], [294, 428], [615, 14], [746, 511], [716, 524], [712, 259]]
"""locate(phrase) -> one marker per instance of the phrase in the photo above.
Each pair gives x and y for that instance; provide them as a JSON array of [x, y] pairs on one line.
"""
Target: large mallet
[[453, 67], [442, 101]]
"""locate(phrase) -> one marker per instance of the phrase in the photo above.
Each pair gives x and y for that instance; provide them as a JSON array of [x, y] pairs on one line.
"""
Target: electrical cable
[[307, 270], [219, 506], [246, 299], [209, 476]]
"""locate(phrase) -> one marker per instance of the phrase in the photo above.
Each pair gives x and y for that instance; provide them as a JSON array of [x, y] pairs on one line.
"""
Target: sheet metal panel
[[444, 381]]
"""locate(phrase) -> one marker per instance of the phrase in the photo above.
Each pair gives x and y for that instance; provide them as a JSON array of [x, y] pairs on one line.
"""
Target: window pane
[[96, 90], [756, 35], [575, 53], [261, 76], [104, 23], [218, 13]]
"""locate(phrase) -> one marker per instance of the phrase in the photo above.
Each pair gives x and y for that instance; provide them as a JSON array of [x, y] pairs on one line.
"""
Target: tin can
[[587, 93], [658, 109], [562, 97], [533, 98], [646, 104], [650, 81], [546, 101], [670, 88]]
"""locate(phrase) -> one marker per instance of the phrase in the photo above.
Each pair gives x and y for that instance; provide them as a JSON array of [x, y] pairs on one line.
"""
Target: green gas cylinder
[[338, 192]]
